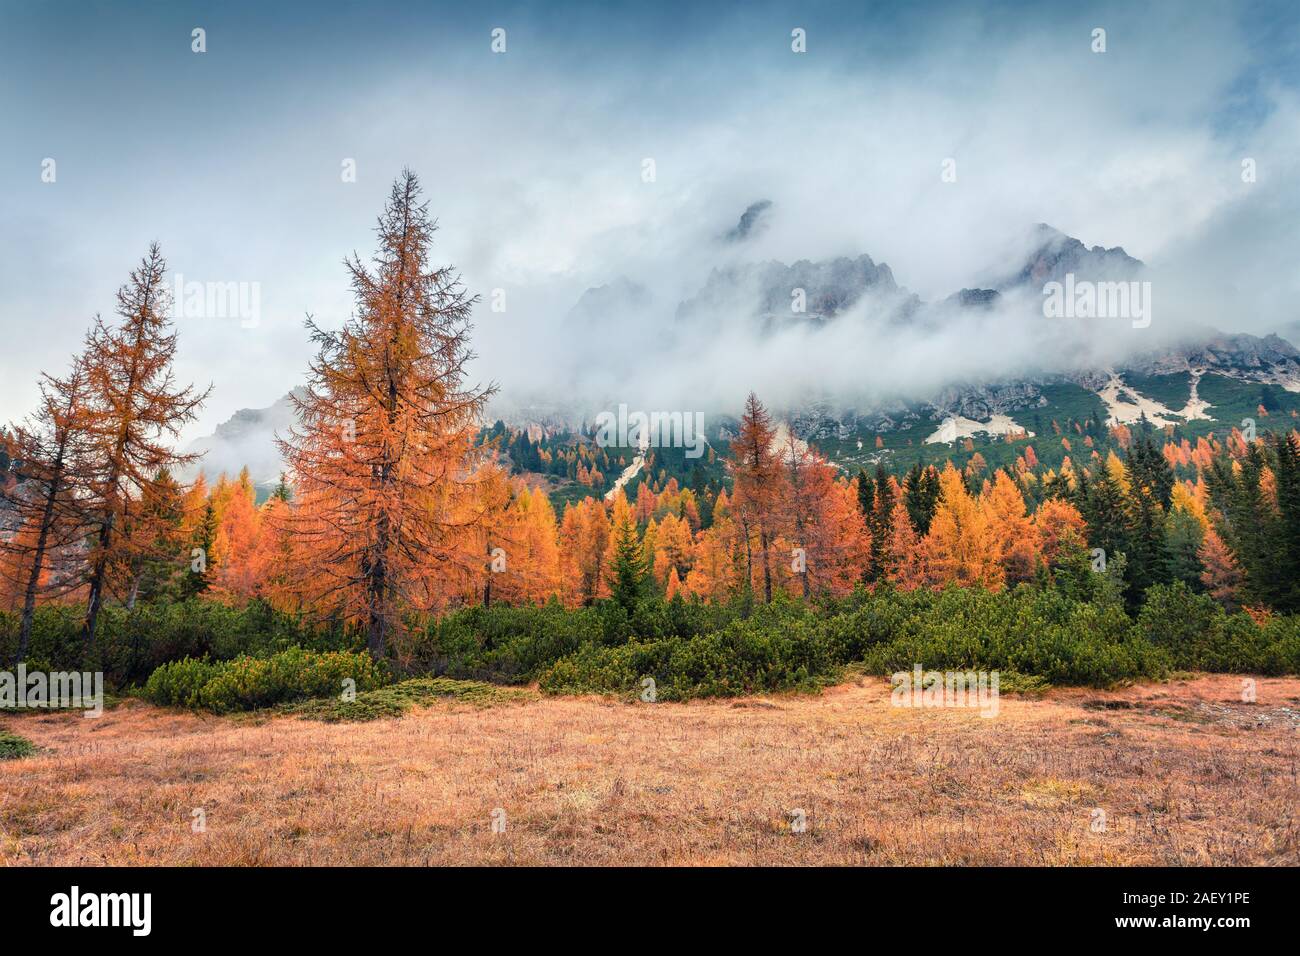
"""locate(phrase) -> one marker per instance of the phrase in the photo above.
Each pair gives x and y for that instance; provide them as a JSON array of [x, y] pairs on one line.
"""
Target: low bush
[[1199, 635], [502, 644], [180, 683], [1028, 631], [205, 654], [13, 747], [787, 646], [248, 683], [130, 644], [744, 657]]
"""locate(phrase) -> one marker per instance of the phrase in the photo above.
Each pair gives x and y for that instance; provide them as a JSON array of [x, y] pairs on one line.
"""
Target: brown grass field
[[1185, 772]]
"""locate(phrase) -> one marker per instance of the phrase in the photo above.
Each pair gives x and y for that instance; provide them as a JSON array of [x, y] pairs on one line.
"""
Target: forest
[[409, 540]]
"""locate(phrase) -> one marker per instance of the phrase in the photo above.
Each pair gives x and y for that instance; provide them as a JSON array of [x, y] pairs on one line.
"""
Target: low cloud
[[534, 162]]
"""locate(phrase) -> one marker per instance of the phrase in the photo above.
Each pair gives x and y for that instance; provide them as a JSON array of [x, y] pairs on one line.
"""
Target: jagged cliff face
[[1244, 356], [1055, 255], [982, 402]]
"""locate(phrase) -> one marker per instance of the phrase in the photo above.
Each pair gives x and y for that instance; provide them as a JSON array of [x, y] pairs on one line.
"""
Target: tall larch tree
[[235, 543], [383, 456], [157, 551], [135, 413], [756, 474], [904, 557], [1222, 574], [1060, 529]]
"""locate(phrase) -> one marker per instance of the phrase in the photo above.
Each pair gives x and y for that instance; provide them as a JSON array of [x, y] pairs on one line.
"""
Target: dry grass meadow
[[1185, 772]]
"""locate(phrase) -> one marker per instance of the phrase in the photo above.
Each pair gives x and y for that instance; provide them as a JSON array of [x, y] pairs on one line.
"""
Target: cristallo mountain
[[1208, 379]]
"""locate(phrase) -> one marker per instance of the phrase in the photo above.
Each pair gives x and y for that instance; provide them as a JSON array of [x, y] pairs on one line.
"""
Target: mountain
[[622, 297], [975, 298], [1249, 357], [752, 221], [774, 294], [763, 297], [1055, 254], [246, 439]]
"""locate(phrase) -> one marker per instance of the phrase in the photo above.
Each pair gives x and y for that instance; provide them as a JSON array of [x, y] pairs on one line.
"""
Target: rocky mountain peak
[[1055, 255]]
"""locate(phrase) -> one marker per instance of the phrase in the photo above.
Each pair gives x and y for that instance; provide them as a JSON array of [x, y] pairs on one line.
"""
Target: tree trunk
[[97, 586], [749, 557], [377, 630], [38, 557]]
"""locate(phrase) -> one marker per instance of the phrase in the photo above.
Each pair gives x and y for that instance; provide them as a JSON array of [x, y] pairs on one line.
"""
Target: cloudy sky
[[533, 161]]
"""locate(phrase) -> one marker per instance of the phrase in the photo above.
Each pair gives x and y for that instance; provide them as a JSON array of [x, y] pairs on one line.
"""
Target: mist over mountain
[[836, 344], [775, 294], [752, 221], [246, 440]]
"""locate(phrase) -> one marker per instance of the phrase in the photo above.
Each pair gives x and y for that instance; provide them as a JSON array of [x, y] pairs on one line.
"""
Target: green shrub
[[130, 644], [1199, 635], [180, 683], [248, 683], [500, 643], [13, 747], [1027, 631], [745, 657], [202, 653]]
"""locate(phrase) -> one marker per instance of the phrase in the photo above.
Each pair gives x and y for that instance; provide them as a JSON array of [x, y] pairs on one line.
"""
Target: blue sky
[[532, 159]]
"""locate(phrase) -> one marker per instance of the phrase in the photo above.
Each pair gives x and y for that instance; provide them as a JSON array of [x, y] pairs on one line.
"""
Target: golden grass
[[1185, 772]]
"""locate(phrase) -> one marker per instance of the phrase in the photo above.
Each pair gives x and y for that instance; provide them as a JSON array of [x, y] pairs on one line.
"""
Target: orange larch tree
[[585, 539], [1223, 576], [238, 530], [268, 565], [960, 547], [715, 573], [1059, 528], [830, 544], [757, 480], [1019, 550], [383, 456], [904, 558], [135, 411], [674, 549]]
